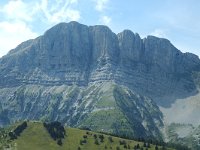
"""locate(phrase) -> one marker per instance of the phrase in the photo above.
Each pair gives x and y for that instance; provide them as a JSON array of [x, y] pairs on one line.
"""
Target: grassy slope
[[35, 137]]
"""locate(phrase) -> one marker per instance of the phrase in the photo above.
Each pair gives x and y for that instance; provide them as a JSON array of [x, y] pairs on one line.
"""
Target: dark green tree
[[117, 148], [110, 139], [59, 142], [156, 148], [96, 141]]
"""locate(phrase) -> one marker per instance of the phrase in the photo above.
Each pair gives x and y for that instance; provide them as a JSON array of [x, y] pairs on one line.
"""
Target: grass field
[[36, 137]]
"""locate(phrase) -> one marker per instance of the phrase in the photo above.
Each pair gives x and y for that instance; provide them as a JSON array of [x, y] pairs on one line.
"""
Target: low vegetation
[[38, 136]]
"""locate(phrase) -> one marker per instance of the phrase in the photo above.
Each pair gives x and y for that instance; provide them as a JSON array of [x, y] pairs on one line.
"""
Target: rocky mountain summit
[[72, 53], [82, 74]]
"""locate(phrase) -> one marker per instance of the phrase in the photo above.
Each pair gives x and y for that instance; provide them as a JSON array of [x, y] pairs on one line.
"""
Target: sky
[[176, 20]]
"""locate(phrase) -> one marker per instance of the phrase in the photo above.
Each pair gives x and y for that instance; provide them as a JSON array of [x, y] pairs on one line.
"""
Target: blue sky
[[176, 20]]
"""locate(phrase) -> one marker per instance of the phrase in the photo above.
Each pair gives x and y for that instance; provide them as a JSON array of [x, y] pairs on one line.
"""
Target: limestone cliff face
[[67, 53], [131, 46], [72, 53], [154, 67], [75, 55]]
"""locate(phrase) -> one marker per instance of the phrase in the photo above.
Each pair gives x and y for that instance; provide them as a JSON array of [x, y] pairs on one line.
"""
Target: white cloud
[[73, 1], [17, 10], [101, 7], [59, 12], [159, 33], [105, 20], [101, 4], [50, 11], [73, 14], [20, 18], [12, 34]]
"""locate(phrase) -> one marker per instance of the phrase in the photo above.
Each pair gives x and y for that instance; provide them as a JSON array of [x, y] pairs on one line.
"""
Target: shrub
[[12, 135], [95, 136], [96, 142], [125, 146], [122, 142], [117, 148], [101, 137], [59, 142], [156, 148], [110, 139], [83, 142]]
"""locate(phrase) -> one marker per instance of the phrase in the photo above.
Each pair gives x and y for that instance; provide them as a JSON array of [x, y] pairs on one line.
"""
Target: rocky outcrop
[[131, 46], [154, 67]]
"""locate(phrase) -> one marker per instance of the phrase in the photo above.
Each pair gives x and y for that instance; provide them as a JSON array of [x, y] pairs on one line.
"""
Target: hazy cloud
[[17, 10], [105, 20], [100, 4], [59, 12], [19, 17], [159, 33], [12, 34]]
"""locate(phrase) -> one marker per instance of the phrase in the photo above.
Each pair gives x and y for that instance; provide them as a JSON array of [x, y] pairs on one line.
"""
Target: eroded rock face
[[131, 46], [154, 67], [72, 53], [99, 106]]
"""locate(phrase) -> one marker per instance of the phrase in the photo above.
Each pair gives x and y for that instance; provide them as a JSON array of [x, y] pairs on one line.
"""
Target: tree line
[[17, 131], [56, 131]]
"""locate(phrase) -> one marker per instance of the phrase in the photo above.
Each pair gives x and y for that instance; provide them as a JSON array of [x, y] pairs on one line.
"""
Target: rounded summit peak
[[129, 33], [63, 26]]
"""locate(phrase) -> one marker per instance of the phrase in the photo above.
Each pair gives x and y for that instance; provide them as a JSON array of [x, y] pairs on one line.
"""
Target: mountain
[[76, 54], [88, 76]]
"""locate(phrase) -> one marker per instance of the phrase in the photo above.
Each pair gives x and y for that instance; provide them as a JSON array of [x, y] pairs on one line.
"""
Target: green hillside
[[36, 137], [106, 107]]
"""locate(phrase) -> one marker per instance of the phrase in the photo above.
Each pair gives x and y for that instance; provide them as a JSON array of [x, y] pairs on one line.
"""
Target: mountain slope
[[35, 136], [102, 107], [184, 134]]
